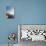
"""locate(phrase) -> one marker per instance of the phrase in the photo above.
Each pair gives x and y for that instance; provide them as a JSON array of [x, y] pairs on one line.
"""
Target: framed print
[[32, 32]]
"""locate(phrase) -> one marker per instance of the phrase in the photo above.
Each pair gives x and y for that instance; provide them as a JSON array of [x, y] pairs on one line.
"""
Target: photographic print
[[10, 12]]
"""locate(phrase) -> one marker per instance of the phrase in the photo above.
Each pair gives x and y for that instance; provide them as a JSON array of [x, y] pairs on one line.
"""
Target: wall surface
[[27, 12]]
